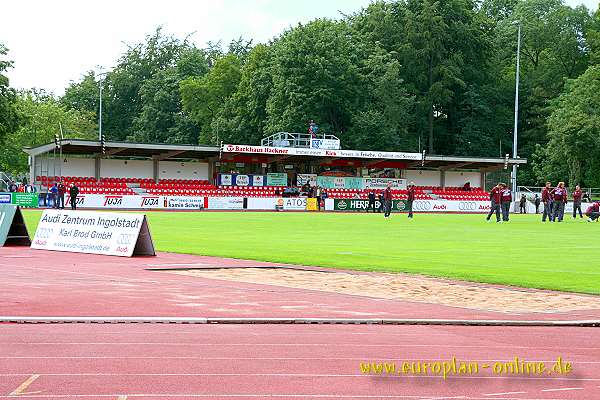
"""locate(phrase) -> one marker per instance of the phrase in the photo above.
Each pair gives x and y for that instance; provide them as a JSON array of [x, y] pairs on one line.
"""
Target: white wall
[[422, 178], [111, 168], [458, 178], [77, 167], [182, 170]]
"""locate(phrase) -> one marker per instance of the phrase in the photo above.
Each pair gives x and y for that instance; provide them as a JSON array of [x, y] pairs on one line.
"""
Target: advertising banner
[[241, 180], [225, 203], [115, 234], [311, 204], [235, 148], [363, 205], [302, 179], [258, 180], [24, 199], [5, 198], [292, 203], [277, 179], [335, 182], [327, 144], [226, 179], [381, 183], [184, 202], [12, 226]]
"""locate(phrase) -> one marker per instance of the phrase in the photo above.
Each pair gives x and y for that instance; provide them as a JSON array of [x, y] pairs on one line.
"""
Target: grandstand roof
[[274, 154]]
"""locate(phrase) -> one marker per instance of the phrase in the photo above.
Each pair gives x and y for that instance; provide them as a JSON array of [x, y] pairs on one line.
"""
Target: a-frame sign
[[13, 231]]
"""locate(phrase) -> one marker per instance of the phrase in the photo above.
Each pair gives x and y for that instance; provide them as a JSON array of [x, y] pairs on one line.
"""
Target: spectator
[[357, 195], [12, 187], [523, 204], [411, 198], [73, 192], [60, 200], [29, 188], [381, 202], [387, 197], [587, 198], [371, 197], [52, 196], [537, 201], [21, 188], [317, 191], [467, 187]]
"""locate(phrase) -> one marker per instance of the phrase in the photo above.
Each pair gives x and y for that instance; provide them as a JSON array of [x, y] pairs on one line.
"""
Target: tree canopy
[[402, 75]]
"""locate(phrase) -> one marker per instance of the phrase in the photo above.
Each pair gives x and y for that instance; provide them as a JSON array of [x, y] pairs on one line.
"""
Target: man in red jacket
[[547, 200], [410, 198], [506, 201], [496, 200], [593, 212], [559, 198], [387, 198], [577, 202]]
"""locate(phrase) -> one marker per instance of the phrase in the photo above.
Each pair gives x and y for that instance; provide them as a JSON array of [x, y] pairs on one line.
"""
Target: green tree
[[204, 97], [9, 120], [41, 115], [574, 132]]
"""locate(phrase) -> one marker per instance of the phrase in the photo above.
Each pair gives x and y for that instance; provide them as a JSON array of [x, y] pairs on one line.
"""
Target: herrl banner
[[115, 234]]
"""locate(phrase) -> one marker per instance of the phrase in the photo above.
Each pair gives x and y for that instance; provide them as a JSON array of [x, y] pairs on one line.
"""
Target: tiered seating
[[457, 193], [89, 185]]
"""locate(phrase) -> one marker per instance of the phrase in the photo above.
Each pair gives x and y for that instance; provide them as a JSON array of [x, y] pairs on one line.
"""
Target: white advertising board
[[381, 183], [235, 148], [94, 232], [225, 203], [329, 144], [134, 202]]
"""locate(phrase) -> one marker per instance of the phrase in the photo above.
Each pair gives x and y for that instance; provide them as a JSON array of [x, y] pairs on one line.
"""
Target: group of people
[[385, 200], [14, 187], [56, 195], [553, 199], [316, 192]]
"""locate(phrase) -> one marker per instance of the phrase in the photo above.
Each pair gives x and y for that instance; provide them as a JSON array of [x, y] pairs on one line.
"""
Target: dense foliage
[[398, 75]]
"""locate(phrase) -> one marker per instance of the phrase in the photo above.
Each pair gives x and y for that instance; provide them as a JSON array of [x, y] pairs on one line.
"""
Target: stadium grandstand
[[266, 171]]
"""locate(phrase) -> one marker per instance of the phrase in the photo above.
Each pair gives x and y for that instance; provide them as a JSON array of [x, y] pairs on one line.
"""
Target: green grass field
[[524, 252]]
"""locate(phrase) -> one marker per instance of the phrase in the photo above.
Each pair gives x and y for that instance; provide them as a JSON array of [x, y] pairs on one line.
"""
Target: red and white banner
[[388, 155]]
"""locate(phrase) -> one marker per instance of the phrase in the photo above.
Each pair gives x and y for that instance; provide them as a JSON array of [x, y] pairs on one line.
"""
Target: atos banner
[[115, 234]]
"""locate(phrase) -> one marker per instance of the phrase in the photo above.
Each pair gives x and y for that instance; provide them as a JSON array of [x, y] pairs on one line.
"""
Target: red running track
[[44, 283], [156, 361]]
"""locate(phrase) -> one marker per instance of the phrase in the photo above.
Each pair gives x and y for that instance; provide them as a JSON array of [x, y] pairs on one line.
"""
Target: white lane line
[[21, 389], [562, 389], [503, 394], [451, 346], [94, 374], [122, 397], [302, 396], [251, 358]]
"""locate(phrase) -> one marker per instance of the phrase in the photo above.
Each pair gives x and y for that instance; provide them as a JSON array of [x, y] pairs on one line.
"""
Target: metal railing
[[288, 139]]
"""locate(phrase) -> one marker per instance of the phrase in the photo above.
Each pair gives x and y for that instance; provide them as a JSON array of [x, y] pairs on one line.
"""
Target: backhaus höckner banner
[[94, 232]]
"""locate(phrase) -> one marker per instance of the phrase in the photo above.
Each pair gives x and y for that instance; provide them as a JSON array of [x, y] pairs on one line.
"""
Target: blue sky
[[64, 38]]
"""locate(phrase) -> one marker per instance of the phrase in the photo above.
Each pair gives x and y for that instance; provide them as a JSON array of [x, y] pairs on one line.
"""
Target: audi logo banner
[[115, 234]]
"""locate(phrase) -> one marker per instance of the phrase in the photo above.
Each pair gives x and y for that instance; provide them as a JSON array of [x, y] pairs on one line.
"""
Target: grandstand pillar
[[32, 161], [442, 178], [97, 166], [483, 178], [155, 161]]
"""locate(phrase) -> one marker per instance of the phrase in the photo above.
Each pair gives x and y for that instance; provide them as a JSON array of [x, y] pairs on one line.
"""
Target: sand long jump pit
[[408, 288]]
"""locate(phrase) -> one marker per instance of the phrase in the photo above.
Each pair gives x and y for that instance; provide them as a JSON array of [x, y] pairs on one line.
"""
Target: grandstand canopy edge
[[49, 160]]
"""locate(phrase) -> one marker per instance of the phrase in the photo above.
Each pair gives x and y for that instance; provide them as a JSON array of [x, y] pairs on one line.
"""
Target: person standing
[[73, 192], [495, 200], [53, 195], [410, 199], [387, 198], [381, 202], [12, 187], [559, 198], [523, 204], [506, 201], [547, 200], [61, 195], [537, 202], [577, 194], [318, 196], [371, 197], [593, 212]]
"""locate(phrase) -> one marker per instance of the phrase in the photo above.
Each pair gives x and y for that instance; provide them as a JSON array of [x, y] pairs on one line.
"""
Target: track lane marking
[[21, 389], [562, 389], [503, 394]]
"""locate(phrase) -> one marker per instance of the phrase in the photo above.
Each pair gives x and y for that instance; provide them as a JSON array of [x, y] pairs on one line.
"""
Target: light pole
[[100, 76], [515, 130]]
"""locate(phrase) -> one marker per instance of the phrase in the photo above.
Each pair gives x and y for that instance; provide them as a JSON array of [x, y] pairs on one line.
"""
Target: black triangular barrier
[[144, 246], [13, 231]]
